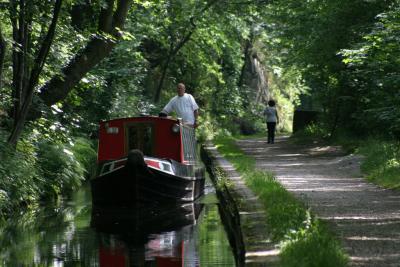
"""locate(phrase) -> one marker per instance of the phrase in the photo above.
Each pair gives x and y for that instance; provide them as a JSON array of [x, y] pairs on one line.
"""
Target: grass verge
[[381, 164], [304, 240]]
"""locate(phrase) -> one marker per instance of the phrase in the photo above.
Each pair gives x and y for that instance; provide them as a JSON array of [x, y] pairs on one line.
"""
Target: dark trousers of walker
[[271, 132]]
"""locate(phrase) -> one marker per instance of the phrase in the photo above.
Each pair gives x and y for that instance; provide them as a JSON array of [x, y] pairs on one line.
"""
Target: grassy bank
[[381, 164], [304, 240]]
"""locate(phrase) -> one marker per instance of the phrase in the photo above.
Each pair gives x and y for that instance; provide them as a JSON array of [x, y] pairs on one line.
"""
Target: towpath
[[365, 217]]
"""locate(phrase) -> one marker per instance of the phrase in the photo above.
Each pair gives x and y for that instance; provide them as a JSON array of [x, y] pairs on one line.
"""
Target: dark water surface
[[75, 234]]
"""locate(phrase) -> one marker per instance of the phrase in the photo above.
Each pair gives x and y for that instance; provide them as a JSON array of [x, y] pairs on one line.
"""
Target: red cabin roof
[[154, 136]]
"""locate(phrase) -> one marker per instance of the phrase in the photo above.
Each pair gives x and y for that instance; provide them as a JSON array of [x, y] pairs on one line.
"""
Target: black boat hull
[[128, 185]]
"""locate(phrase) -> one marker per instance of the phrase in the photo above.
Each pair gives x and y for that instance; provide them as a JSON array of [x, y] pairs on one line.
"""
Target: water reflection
[[74, 234], [176, 248], [144, 219], [160, 235]]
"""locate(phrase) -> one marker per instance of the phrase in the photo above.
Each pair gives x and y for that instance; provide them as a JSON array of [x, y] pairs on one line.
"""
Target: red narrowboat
[[146, 159]]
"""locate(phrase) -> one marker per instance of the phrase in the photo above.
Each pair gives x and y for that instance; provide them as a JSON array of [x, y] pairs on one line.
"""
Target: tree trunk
[[163, 74], [26, 45], [3, 47], [246, 54], [34, 76], [335, 120], [16, 58], [96, 50]]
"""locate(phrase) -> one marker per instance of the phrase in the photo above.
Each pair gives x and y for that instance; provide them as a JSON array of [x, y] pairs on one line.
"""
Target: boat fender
[[136, 158], [162, 115]]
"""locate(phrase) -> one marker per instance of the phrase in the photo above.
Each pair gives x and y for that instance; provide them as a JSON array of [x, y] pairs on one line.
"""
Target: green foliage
[[85, 154], [41, 167], [382, 161], [312, 245], [207, 129], [60, 167], [311, 133], [284, 212], [20, 181], [374, 74], [309, 38], [250, 124]]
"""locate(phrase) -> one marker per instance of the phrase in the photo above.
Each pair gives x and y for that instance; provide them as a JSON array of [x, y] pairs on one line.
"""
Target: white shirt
[[271, 114], [184, 107]]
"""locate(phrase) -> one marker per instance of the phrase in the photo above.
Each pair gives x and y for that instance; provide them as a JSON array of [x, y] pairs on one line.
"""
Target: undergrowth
[[39, 168], [381, 163]]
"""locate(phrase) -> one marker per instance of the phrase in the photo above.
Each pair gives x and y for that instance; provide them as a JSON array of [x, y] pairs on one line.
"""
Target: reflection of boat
[[169, 249], [143, 219], [147, 236], [173, 249], [147, 159]]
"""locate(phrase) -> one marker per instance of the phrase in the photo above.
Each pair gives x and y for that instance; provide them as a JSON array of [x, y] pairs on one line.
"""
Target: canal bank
[[244, 216]]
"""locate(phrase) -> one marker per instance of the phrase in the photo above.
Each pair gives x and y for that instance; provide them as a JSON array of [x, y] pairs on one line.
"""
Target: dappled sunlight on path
[[365, 217]]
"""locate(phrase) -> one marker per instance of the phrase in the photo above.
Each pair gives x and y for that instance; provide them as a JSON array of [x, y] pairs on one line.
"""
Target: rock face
[[255, 79]]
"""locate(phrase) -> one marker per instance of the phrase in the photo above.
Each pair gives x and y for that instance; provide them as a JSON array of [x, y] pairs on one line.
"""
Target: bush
[[312, 246], [206, 129], [85, 154], [20, 178], [382, 162], [60, 168], [312, 132], [41, 169]]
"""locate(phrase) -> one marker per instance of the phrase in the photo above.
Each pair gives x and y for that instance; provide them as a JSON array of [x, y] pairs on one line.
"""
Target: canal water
[[74, 233]]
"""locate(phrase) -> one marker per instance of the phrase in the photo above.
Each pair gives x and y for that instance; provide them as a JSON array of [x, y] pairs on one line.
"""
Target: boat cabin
[[154, 136]]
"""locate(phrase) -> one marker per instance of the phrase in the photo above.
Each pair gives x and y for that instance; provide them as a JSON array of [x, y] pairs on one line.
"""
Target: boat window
[[140, 136], [189, 144], [148, 141]]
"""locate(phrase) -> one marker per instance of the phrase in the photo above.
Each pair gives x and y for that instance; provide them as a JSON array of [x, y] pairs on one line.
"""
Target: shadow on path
[[365, 217]]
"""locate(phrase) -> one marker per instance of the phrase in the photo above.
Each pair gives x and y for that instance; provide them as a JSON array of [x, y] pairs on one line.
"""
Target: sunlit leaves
[[374, 65], [317, 38], [145, 4]]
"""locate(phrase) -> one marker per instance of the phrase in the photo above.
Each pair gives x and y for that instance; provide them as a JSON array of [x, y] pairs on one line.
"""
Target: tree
[[309, 37], [3, 46], [373, 70], [111, 21], [24, 90]]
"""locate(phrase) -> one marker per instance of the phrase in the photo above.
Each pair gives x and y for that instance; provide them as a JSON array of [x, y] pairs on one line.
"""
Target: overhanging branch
[[96, 50]]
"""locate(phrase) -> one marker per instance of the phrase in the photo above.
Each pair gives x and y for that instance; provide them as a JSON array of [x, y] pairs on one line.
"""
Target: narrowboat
[[146, 159]]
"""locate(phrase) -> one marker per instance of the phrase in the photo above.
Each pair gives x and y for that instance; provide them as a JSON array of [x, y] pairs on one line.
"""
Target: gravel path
[[365, 217]]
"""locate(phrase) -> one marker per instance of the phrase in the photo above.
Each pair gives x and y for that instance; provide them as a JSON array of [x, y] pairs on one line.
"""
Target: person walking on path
[[184, 106], [272, 120]]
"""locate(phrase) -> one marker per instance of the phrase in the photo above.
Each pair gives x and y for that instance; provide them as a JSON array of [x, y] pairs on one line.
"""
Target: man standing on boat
[[184, 106]]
